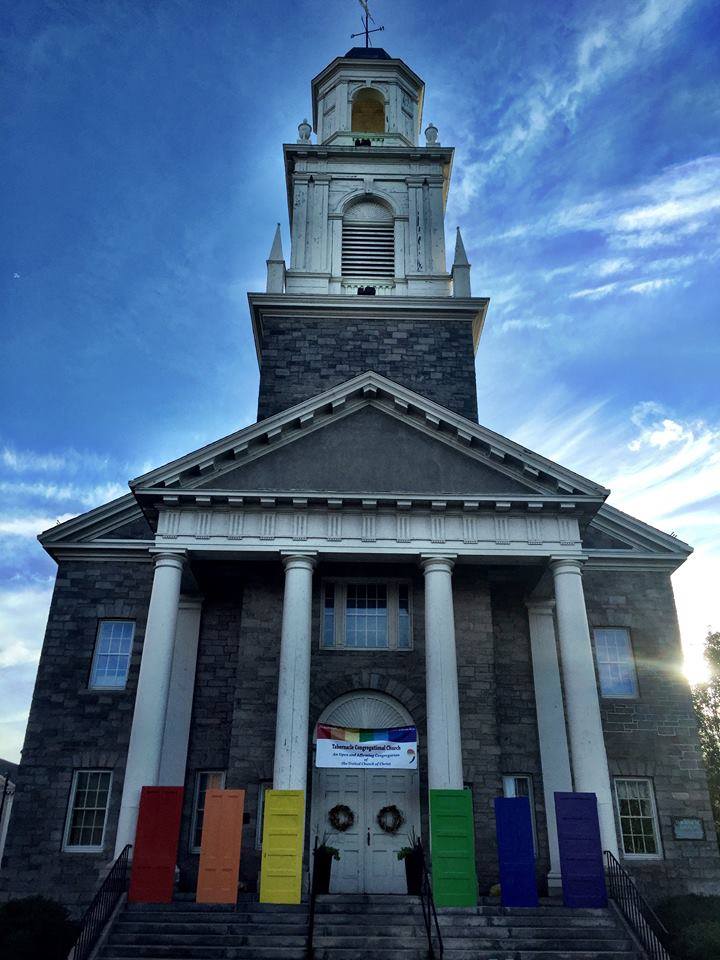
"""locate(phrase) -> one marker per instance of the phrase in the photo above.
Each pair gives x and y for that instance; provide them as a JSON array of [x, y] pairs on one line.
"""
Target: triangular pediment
[[370, 438], [369, 435], [118, 524], [368, 450]]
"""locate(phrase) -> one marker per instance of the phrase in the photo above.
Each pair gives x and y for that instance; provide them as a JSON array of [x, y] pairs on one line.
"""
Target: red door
[[156, 842]]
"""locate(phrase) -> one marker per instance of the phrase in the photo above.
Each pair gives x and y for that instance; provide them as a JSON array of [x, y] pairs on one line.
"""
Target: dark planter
[[321, 873], [414, 872]]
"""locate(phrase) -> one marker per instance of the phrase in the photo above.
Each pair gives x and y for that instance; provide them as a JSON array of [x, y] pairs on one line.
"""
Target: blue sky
[[141, 179]]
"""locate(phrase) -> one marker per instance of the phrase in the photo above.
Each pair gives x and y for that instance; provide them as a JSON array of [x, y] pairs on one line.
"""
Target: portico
[[310, 534]]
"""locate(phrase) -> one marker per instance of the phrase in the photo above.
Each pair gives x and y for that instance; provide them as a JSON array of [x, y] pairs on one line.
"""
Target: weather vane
[[367, 19]]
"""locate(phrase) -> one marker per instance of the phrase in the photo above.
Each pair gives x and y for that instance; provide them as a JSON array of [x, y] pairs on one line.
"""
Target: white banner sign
[[394, 747]]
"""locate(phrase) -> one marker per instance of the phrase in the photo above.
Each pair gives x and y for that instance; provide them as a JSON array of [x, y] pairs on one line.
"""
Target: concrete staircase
[[364, 927], [373, 927], [194, 931]]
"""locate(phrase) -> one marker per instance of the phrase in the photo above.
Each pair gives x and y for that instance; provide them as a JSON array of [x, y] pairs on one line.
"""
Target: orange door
[[220, 846]]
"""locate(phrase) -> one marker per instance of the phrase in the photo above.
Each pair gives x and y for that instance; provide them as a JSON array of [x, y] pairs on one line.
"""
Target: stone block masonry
[[72, 727], [655, 734], [302, 358]]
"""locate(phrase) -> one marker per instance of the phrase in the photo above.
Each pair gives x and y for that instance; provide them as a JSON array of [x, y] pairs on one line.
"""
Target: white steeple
[[276, 266], [460, 269]]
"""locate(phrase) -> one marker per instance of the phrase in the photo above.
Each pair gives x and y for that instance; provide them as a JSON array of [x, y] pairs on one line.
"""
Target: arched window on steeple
[[368, 111], [368, 241]]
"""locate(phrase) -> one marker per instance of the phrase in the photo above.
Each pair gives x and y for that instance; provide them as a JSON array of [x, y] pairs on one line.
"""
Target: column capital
[[542, 607], [298, 561], [437, 564], [567, 565], [169, 558]]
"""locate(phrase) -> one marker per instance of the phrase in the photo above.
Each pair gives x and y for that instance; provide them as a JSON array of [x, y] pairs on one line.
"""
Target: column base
[[554, 882]]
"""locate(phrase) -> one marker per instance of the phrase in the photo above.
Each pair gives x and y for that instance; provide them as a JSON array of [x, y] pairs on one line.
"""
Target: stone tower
[[368, 286]]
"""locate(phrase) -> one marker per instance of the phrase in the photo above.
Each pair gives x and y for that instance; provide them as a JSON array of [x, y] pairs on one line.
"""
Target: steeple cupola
[[367, 95]]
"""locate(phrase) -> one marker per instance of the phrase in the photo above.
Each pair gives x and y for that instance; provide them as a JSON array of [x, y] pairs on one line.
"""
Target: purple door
[[516, 854], [581, 858]]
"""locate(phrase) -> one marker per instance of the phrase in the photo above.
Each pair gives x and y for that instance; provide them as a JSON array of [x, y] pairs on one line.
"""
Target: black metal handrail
[[310, 950], [642, 919], [427, 902], [103, 903]]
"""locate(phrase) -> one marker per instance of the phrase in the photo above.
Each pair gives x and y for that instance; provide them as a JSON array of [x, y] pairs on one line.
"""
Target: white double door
[[368, 855]]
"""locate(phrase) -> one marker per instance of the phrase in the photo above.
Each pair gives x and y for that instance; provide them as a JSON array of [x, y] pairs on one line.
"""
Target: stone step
[[243, 906], [211, 927], [341, 927], [203, 953], [241, 939], [471, 954], [160, 919]]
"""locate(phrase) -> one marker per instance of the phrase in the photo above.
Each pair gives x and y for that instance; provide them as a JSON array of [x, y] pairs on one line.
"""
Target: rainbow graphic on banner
[[356, 747]]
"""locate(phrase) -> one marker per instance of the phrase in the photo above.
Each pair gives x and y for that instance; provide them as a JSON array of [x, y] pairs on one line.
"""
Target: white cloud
[[604, 53], [66, 461], [651, 286], [30, 526], [594, 293], [23, 613], [91, 495]]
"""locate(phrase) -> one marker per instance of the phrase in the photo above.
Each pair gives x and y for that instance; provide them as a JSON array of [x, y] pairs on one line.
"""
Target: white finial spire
[[276, 265], [460, 269], [461, 259], [276, 251]]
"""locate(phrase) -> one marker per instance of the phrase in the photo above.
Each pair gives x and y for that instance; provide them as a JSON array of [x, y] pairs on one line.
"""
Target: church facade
[[366, 555]]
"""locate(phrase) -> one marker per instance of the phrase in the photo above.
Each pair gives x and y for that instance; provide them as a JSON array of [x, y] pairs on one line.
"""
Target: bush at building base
[[694, 925], [35, 928]]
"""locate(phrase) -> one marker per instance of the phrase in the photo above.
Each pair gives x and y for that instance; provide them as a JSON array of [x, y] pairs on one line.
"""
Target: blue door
[[516, 854], [581, 858]]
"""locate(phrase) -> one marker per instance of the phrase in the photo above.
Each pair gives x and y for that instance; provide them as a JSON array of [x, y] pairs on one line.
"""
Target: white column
[[173, 759], [293, 706], [587, 745], [146, 736], [443, 705], [554, 754]]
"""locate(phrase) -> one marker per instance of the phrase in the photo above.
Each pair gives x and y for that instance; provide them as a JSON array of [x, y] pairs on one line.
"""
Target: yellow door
[[282, 846], [220, 847]]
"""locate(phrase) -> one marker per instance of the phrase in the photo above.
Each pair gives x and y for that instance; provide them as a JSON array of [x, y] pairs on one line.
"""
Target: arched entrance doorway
[[368, 855]]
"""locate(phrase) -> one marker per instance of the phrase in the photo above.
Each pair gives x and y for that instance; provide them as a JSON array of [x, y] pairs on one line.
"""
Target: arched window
[[368, 111], [368, 241]]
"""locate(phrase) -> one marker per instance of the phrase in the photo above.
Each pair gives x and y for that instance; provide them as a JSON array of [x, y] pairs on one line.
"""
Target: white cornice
[[97, 521], [640, 535]]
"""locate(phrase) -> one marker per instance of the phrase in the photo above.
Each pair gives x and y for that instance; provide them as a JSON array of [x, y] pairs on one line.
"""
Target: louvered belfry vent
[[368, 241]]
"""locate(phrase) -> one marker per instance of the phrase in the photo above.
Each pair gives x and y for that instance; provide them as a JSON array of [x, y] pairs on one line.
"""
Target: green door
[[452, 843]]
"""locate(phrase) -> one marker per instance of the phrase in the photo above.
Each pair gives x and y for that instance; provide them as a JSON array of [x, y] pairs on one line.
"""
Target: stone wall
[[655, 735], [72, 727], [515, 699], [302, 358]]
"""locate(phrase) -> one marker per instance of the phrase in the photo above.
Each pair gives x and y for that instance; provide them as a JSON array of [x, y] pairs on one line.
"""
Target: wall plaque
[[688, 828]]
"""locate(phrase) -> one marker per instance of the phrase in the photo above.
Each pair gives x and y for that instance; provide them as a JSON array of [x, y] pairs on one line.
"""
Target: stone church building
[[365, 555]]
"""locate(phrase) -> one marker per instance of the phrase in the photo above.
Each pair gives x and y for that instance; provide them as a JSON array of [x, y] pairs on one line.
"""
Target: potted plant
[[414, 860], [324, 856]]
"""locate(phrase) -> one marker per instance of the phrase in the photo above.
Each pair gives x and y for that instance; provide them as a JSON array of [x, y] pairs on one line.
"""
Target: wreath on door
[[341, 817], [390, 819]]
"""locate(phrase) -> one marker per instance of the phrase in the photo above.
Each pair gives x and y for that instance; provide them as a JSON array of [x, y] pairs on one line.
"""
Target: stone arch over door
[[368, 856]]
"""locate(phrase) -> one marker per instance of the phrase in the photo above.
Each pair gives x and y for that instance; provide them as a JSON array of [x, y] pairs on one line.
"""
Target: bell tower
[[367, 286]]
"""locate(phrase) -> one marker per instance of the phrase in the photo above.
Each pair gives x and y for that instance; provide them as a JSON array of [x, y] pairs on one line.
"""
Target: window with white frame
[[366, 615], [520, 785], [638, 817], [616, 664], [87, 811], [113, 650], [204, 781]]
